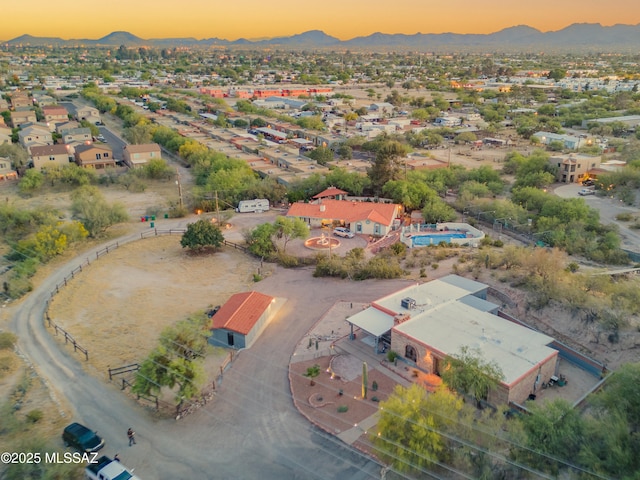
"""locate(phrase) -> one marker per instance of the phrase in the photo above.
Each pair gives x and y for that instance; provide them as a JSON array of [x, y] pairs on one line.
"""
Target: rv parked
[[257, 205]]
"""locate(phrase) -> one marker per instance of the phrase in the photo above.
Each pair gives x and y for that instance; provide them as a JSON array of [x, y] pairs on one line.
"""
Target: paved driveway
[[251, 430]]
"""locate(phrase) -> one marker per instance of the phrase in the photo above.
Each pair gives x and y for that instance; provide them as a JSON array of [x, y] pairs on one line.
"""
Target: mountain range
[[576, 36]]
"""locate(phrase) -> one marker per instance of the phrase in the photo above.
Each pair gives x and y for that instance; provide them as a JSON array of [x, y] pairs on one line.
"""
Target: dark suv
[[81, 438]]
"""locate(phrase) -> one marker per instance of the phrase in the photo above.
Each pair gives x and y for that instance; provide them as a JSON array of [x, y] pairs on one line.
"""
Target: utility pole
[[179, 186], [217, 208]]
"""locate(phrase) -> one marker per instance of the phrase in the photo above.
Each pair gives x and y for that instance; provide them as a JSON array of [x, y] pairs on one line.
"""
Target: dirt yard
[[118, 306]]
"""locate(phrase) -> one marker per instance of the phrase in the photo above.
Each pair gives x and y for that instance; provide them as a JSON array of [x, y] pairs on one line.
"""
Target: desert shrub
[[498, 243], [391, 355], [399, 249], [287, 261], [374, 386], [5, 364], [435, 266], [7, 340], [34, 416], [423, 273], [257, 277], [343, 408], [486, 241], [573, 267], [375, 399], [624, 217]]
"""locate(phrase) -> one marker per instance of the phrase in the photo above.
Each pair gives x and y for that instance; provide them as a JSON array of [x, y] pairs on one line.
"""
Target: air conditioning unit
[[408, 303]]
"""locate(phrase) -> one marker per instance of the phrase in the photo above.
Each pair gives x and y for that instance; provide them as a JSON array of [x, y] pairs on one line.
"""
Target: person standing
[[132, 436]]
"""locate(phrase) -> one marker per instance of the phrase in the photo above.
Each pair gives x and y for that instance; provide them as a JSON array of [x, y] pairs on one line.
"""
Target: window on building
[[51, 157], [410, 353], [106, 154], [98, 156]]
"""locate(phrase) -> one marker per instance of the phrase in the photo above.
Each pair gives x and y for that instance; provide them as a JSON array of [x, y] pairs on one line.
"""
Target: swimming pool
[[419, 240]]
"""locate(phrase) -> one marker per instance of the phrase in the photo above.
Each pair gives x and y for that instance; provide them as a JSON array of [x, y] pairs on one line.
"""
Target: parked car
[[588, 183], [343, 232], [586, 191], [100, 138], [81, 438]]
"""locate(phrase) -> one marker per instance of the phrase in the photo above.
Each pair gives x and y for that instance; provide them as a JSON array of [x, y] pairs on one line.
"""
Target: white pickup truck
[[587, 191], [108, 469]]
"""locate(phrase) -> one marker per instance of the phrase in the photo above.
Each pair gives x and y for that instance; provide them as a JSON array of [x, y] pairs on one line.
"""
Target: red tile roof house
[[367, 218], [241, 320]]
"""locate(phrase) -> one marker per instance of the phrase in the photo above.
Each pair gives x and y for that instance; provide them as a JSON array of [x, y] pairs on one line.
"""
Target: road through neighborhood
[[251, 428]]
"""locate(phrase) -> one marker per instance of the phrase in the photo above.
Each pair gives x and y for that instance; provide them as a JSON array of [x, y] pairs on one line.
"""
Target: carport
[[373, 321]]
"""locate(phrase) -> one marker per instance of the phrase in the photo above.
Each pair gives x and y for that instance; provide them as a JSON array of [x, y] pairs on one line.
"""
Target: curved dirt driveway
[[251, 430]]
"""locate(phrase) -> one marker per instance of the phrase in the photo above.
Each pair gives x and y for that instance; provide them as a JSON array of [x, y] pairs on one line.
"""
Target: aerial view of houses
[[421, 248]]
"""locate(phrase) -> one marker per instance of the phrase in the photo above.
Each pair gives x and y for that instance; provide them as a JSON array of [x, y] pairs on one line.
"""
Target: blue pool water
[[434, 238]]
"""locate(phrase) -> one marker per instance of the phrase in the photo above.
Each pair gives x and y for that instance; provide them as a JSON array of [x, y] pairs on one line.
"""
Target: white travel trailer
[[257, 205]]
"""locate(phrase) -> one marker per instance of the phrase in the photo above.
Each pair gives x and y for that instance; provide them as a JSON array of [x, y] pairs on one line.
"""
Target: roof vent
[[323, 208]]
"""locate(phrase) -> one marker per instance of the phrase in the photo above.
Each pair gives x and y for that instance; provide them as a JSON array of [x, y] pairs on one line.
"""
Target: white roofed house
[[426, 323], [137, 156]]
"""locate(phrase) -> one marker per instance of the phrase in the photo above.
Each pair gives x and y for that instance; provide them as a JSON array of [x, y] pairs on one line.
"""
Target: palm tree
[[312, 372]]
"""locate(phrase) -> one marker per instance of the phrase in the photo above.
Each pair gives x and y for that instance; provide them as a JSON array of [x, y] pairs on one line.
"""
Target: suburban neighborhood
[[319, 263]]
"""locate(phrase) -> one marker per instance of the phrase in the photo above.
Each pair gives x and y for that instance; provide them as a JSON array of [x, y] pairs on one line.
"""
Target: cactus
[[365, 379]]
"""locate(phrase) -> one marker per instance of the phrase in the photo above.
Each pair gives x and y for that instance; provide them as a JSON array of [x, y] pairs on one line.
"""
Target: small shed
[[241, 320]]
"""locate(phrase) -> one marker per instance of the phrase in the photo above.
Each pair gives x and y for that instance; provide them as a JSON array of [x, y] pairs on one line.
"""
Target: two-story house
[[79, 135], [62, 127], [36, 134], [20, 99], [94, 156], [6, 171], [55, 114], [137, 156], [89, 114], [47, 156], [21, 117], [5, 134]]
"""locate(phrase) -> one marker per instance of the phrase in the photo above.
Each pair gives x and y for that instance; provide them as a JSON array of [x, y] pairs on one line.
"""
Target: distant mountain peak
[[575, 36]]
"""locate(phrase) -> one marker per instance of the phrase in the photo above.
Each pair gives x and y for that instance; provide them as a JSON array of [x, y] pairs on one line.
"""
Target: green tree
[[31, 181], [411, 426], [322, 155], [90, 207], [386, 165], [260, 240], [554, 428], [468, 373], [202, 235], [289, 228]]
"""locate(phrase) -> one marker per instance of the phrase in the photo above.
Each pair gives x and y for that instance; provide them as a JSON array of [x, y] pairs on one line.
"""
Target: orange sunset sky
[[345, 19]]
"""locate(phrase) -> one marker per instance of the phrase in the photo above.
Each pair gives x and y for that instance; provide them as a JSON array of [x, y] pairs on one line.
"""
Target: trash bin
[[153, 217], [166, 215], [142, 219], [146, 217], [152, 224]]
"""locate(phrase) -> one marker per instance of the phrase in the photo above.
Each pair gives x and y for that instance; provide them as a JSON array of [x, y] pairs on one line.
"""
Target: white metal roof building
[[430, 321]]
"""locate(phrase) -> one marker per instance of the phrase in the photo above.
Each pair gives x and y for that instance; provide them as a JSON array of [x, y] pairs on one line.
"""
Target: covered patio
[[376, 323]]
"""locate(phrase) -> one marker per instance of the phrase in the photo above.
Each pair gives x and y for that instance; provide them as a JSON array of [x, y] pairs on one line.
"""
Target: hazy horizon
[[202, 19]]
